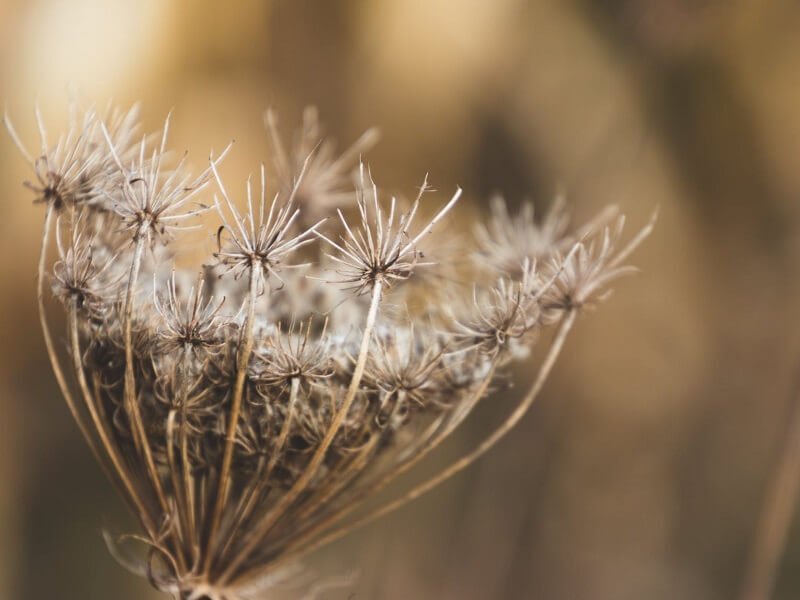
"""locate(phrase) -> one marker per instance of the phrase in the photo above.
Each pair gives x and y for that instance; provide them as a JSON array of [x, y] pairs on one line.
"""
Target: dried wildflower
[[505, 241], [246, 433], [583, 276], [407, 374], [503, 314], [300, 353]]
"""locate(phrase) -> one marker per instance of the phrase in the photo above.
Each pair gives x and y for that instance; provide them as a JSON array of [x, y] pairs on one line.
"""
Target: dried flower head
[[84, 272], [149, 201], [380, 249], [78, 169], [243, 430], [194, 324], [258, 238]]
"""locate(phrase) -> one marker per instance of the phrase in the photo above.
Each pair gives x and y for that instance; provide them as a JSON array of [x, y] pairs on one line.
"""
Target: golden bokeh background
[[641, 470]]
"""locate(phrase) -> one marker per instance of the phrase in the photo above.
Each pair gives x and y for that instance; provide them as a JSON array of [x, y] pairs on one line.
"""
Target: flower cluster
[[248, 410]]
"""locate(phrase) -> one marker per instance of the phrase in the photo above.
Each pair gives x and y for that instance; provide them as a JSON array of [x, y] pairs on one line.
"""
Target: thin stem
[[263, 478], [277, 511], [447, 473], [242, 362], [404, 466], [48, 339], [188, 481], [120, 468], [139, 434], [775, 519], [180, 501]]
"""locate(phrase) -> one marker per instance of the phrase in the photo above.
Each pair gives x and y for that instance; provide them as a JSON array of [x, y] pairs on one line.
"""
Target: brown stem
[[275, 513], [50, 346], [188, 480], [139, 434], [120, 468], [453, 469], [263, 479], [242, 362], [404, 466]]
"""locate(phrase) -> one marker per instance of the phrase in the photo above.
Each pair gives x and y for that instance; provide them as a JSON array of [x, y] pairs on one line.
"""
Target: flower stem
[[242, 362], [272, 516], [445, 474]]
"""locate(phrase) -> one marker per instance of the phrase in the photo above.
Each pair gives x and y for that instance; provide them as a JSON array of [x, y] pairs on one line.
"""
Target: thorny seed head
[[506, 241], [504, 314], [152, 202], [194, 323], [583, 276], [298, 353], [84, 270], [380, 248], [78, 170], [259, 238], [412, 373]]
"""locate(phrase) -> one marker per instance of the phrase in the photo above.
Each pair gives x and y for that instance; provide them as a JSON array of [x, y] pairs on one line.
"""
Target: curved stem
[[261, 483], [188, 480], [131, 493], [242, 362], [376, 486], [453, 469], [277, 511], [48, 340], [139, 434], [182, 536]]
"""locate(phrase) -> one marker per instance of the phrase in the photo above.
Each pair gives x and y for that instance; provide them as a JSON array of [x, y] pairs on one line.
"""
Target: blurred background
[[641, 471]]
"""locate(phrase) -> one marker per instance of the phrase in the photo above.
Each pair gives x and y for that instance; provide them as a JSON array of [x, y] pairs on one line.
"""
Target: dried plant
[[246, 414]]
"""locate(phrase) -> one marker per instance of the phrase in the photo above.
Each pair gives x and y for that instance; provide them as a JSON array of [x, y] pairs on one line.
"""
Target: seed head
[[84, 271], [243, 428], [78, 169], [582, 277], [259, 237], [152, 202], [380, 246], [194, 323]]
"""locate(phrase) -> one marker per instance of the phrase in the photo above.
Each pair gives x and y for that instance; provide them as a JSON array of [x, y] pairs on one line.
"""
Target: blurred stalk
[[777, 510]]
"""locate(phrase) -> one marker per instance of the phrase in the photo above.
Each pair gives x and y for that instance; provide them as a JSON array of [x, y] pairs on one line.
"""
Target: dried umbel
[[248, 411]]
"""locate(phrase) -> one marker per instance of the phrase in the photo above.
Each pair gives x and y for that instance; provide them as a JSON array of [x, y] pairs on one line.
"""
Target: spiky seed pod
[[84, 271], [504, 314], [299, 353], [258, 237], [583, 276], [78, 168], [380, 248], [194, 324], [151, 202], [505, 241]]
